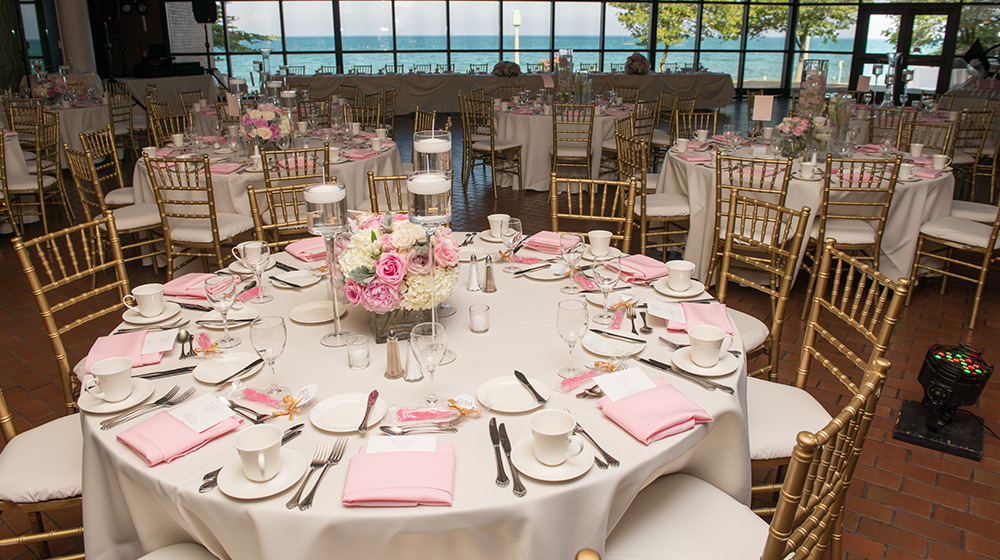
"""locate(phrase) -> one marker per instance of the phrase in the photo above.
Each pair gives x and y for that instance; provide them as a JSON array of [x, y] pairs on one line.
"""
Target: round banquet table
[[913, 204], [132, 508], [534, 132], [82, 117]]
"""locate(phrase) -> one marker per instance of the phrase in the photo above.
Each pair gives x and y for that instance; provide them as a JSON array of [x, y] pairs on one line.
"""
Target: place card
[[864, 83], [232, 104], [202, 413], [620, 384], [159, 341], [666, 311], [395, 444], [763, 107]]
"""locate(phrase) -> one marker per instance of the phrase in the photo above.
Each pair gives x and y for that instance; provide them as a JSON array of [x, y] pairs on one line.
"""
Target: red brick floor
[[906, 502]]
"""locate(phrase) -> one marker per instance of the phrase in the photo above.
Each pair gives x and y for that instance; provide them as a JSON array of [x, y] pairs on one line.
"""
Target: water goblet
[[571, 248], [606, 271], [729, 133], [221, 293], [268, 336], [256, 257], [429, 341], [510, 234], [571, 322]]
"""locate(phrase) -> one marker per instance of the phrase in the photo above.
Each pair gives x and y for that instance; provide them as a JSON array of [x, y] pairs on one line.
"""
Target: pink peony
[[417, 264], [353, 291], [379, 297], [390, 268], [400, 217]]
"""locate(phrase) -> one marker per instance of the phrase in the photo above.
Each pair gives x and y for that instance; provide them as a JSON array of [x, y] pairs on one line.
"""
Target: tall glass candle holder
[[432, 152], [326, 215], [429, 199]]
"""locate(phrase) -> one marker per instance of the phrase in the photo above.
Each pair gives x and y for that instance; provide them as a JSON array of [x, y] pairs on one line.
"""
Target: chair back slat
[[585, 202], [388, 193], [286, 174], [348, 93]]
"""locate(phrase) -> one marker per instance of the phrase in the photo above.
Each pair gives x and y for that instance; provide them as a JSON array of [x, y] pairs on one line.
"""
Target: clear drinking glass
[[606, 271], [221, 293], [510, 234], [429, 341], [729, 133], [571, 248], [256, 257], [268, 336], [571, 322]]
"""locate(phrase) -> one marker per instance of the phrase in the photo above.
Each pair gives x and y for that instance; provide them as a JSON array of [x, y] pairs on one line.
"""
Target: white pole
[[516, 21]]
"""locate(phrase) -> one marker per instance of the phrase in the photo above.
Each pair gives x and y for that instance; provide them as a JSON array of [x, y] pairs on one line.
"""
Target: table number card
[[864, 83], [202, 413], [620, 384], [232, 104], [666, 311], [763, 107], [394, 444]]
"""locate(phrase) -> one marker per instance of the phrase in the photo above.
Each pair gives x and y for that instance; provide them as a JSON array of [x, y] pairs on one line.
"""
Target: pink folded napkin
[[319, 133], [208, 111], [695, 145], [388, 143], [692, 157], [380, 480], [224, 168], [641, 267], [870, 148], [9, 133], [923, 161], [703, 314], [213, 139], [927, 173], [544, 242], [369, 135], [308, 250], [190, 286], [295, 163], [655, 413], [523, 111], [127, 345], [719, 138], [760, 170], [360, 154], [616, 113], [855, 177], [163, 438], [166, 152]]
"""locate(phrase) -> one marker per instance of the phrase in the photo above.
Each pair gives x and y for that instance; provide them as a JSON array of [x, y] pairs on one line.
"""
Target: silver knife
[[524, 381], [519, 489], [166, 373], [618, 336], [502, 480], [521, 243], [220, 322], [285, 282], [249, 367], [532, 269], [469, 238], [372, 397], [618, 289], [705, 383]]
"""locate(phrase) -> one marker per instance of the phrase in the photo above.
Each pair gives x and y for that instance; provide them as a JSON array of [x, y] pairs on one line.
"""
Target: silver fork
[[335, 456], [318, 460], [136, 411], [630, 313], [172, 402]]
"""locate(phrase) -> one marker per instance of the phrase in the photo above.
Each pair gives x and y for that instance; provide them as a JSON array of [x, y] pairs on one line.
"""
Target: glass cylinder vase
[[432, 151], [812, 90]]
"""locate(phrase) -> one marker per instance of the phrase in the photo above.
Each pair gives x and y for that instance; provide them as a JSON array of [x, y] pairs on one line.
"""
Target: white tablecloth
[[913, 204], [74, 120], [131, 508]]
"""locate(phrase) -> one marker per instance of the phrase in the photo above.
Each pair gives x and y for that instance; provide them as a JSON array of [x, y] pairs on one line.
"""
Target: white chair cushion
[[121, 128], [194, 230], [182, 551], [44, 463], [989, 149], [26, 183], [479, 137], [610, 145], [776, 413], [652, 179], [136, 216], [962, 158], [680, 517], [120, 197], [752, 330], [851, 232], [975, 211], [665, 205], [499, 144], [661, 137], [971, 233], [28, 155], [572, 150]]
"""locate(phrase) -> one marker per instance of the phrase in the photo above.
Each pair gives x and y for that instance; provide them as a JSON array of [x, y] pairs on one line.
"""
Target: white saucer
[[134, 317], [613, 298], [234, 483], [216, 368], [465, 253], [910, 179], [555, 272], [506, 394], [612, 252], [611, 347], [315, 312], [523, 457], [682, 359], [815, 177], [237, 267], [141, 389], [488, 237], [696, 289], [343, 413], [224, 151], [176, 145], [245, 312], [253, 169], [341, 159], [303, 278]]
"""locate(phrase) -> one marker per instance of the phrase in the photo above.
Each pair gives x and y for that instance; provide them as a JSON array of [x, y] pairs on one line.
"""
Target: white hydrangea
[[417, 288], [361, 251]]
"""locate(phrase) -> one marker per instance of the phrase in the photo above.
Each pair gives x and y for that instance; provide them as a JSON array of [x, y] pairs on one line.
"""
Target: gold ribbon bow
[[471, 412], [213, 349], [606, 365], [292, 409], [623, 304]]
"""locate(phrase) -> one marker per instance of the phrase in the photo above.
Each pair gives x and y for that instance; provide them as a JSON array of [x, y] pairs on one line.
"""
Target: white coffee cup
[[232, 130], [504, 106], [940, 161], [355, 128], [916, 150], [679, 275], [382, 133], [256, 163], [819, 121], [495, 223], [177, 139], [496, 102], [302, 126], [807, 168], [600, 242], [552, 432], [249, 252], [110, 379], [953, 115], [334, 153], [146, 299], [701, 135], [515, 99], [681, 144], [707, 344], [260, 451], [767, 132], [376, 143], [150, 151], [906, 170], [546, 109]]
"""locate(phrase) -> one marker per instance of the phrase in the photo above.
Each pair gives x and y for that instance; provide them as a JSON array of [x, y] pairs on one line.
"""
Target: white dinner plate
[[506, 394], [237, 267], [613, 298], [315, 312], [216, 368], [610, 347], [134, 317], [523, 457], [245, 312], [682, 359], [696, 289], [612, 252], [555, 272], [176, 145], [465, 253], [908, 179], [234, 483], [303, 278], [141, 389], [224, 151], [343, 413], [340, 159], [488, 237]]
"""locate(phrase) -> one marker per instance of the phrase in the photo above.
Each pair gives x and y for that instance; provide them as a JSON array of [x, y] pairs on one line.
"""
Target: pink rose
[[400, 217], [386, 240], [445, 249], [372, 222], [353, 291], [390, 268], [259, 123], [379, 297], [417, 264], [275, 132]]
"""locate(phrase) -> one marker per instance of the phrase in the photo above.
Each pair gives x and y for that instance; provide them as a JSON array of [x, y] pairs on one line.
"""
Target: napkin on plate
[[163, 438], [388, 143], [127, 345], [695, 145], [523, 111], [190, 286], [308, 250], [923, 161], [224, 168], [703, 314], [360, 154], [870, 148], [641, 267], [401, 479], [544, 242], [213, 139], [166, 152], [692, 157], [927, 173], [655, 413]]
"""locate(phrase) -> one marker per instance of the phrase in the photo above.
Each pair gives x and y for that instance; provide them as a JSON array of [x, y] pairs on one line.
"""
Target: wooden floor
[[906, 501]]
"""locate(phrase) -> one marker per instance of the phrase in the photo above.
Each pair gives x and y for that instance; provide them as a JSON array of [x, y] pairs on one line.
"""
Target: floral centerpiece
[[507, 69], [52, 91], [387, 267], [794, 131], [266, 124], [636, 64]]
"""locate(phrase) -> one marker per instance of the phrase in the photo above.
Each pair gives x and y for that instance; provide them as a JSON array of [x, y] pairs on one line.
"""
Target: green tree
[[978, 22], [675, 23], [239, 40], [928, 33]]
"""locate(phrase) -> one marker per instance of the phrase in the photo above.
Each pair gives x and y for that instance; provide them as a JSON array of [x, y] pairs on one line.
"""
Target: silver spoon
[[183, 336], [400, 431], [645, 328]]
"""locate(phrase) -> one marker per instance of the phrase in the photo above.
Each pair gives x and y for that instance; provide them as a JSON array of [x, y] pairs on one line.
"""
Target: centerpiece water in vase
[[432, 154], [812, 91], [326, 216]]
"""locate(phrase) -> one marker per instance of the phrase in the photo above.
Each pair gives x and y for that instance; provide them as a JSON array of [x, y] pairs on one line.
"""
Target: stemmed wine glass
[[607, 271], [729, 133], [256, 256], [571, 248], [268, 336], [510, 234], [429, 341], [221, 293], [571, 322]]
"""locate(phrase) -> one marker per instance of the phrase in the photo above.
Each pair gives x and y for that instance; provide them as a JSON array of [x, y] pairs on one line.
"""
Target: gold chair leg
[[947, 268], [35, 520], [813, 272]]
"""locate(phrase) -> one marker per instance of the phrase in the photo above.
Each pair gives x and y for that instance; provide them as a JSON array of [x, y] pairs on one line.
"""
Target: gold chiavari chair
[[572, 131], [189, 98], [22, 117], [297, 70], [503, 156], [662, 141], [970, 137], [316, 108], [328, 69], [104, 155], [158, 109], [164, 127], [889, 124], [508, 92], [389, 110], [421, 68], [628, 94], [286, 173], [474, 129], [151, 91], [641, 123], [663, 128], [986, 166], [751, 99], [46, 166], [664, 218], [762, 253], [752, 177], [479, 68], [372, 99], [361, 69], [423, 120], [192, 229], [119, 96], [368, 116], [477, 93], [808, 518], [586, 67], [142, 221], [394, 69], [856, 198], [536, 67], [945, 102], [444, 68], [225, 119], [349, 94], [585, 202], [936, 137], [617, 68], [387, 194], [685, 124]]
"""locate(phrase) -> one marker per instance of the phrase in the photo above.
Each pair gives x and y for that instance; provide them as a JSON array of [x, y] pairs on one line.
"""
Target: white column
[[74, 35]]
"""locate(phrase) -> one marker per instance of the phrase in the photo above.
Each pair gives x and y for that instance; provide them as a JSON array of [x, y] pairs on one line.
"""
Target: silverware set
[[675, 346], [246, 412], [336, 454], [166, 401], [176, 324], [706, 384]]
